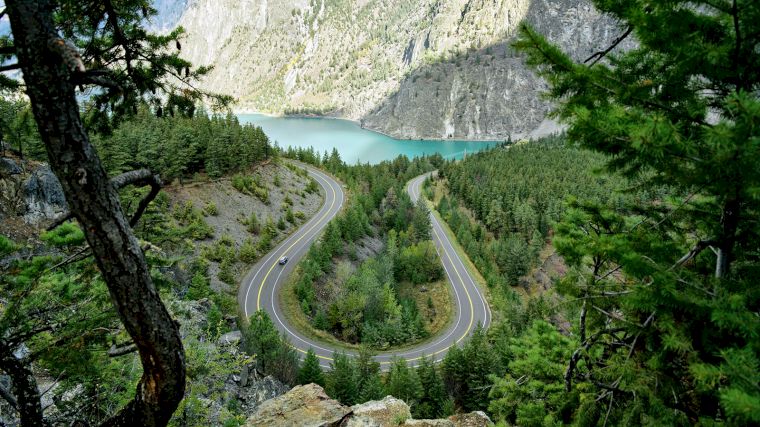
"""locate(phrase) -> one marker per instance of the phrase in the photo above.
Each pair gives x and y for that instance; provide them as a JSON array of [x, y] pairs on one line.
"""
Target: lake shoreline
[[359, 123]]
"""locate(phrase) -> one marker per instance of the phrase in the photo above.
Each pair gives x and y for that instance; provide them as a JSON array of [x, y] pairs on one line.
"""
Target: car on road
[[283, 260]]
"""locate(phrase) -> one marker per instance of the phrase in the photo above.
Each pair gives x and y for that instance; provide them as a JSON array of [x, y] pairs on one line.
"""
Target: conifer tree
[[434, 397], [668, 293], [403, 383], [343, 381], [311, 371], [368, 371], [421, 221]]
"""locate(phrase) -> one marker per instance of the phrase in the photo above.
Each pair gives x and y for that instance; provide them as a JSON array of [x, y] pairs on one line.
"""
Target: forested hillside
[[513, 196]]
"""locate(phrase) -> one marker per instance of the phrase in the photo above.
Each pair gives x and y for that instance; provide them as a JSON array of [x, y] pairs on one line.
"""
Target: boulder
[[379, 413], [254, 392], [472, 419], [9, 167], [43, 196], [428, 423], [306, 405], [230, 338]]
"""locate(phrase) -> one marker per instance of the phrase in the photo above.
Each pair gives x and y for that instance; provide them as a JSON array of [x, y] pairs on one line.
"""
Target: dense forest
[[514, 195], [179, 147]]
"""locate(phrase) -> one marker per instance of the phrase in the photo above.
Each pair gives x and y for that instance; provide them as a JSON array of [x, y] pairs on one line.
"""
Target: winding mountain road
[[261, 287]]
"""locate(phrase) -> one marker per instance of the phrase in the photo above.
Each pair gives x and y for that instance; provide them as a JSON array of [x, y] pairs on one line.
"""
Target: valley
[[419, 213]]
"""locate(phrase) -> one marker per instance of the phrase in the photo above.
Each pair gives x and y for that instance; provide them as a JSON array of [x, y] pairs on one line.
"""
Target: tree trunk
[[95, 204], [25, 387], [729, 223]]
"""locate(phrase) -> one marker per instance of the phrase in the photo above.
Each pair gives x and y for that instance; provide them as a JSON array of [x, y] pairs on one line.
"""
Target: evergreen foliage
[[362, 304], [667, 323], [273, 354], [311, 371], [516, 194], [180, 147], [433, 399], [342, 380]]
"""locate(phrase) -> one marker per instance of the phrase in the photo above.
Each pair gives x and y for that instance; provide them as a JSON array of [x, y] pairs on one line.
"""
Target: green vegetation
[[361, 303], [527, 186], [181, 147]]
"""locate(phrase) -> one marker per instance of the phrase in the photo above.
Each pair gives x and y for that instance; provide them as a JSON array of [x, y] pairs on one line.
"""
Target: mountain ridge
[[429, 69]]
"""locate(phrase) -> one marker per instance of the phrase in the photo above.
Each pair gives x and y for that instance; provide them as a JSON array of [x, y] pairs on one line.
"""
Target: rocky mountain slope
[[409, 68]]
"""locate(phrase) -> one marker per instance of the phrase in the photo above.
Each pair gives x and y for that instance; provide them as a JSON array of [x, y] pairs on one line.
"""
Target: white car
[[283, 260]]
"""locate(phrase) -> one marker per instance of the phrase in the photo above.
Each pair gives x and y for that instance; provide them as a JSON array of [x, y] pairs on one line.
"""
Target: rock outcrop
[[387, 412], [29, 191], [308, 405], [408, 68]]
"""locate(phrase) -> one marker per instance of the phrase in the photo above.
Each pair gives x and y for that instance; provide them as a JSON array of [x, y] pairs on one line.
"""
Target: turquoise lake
[[355, 145]]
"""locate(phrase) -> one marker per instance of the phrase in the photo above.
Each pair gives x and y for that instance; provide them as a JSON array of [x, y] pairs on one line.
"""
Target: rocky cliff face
[[29, 195], [409, 68], [309, 406]]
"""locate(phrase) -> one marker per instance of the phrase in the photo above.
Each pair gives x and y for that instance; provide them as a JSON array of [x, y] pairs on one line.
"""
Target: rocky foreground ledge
[[309, 405]]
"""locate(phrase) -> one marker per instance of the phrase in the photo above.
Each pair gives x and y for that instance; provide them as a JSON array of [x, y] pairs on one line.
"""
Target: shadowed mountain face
[[408, 68]]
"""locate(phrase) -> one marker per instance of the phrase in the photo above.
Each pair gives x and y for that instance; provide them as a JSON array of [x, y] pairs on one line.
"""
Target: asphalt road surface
[[261, 287]]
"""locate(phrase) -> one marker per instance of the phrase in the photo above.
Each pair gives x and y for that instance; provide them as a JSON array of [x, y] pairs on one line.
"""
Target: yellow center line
[[466, 332], [261, 287]]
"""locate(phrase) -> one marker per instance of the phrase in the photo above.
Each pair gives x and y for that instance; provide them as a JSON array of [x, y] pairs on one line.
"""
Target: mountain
[[408, 68]]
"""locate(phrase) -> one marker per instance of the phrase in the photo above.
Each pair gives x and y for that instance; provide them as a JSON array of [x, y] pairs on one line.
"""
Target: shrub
[[66, 234], [6, 245], [210, 209]]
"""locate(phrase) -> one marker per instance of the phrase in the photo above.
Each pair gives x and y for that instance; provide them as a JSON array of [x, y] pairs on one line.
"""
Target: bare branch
[[10, 67], [601, 54], [696, 250], [139, 177], [121, 351], [96, 77]]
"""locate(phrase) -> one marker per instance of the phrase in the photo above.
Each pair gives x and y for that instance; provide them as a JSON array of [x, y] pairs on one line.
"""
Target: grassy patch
[[434, 301]]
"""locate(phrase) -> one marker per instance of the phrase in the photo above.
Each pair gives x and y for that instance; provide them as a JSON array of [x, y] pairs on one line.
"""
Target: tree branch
[[579, 352], [96, 77], [24, 385], [10, 67], [601, 54], [121, 351], [699, 247], [139, 177]]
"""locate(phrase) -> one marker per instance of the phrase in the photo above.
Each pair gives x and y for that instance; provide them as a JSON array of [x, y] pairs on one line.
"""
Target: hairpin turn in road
[[261, 287]]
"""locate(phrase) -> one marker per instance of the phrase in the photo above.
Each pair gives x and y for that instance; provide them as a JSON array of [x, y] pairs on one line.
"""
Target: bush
[[248, 253], [210, 209], [66, 234], [6, 245]]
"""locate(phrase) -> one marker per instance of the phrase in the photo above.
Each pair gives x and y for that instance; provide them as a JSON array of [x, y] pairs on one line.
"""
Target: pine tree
[[667, 286], [421, 221], [403, 383], [433, 398], [311, 371], [368, 371], [343, 380]]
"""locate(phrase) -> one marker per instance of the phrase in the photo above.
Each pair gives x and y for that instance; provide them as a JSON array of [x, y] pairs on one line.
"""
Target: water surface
[[354, 143]]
